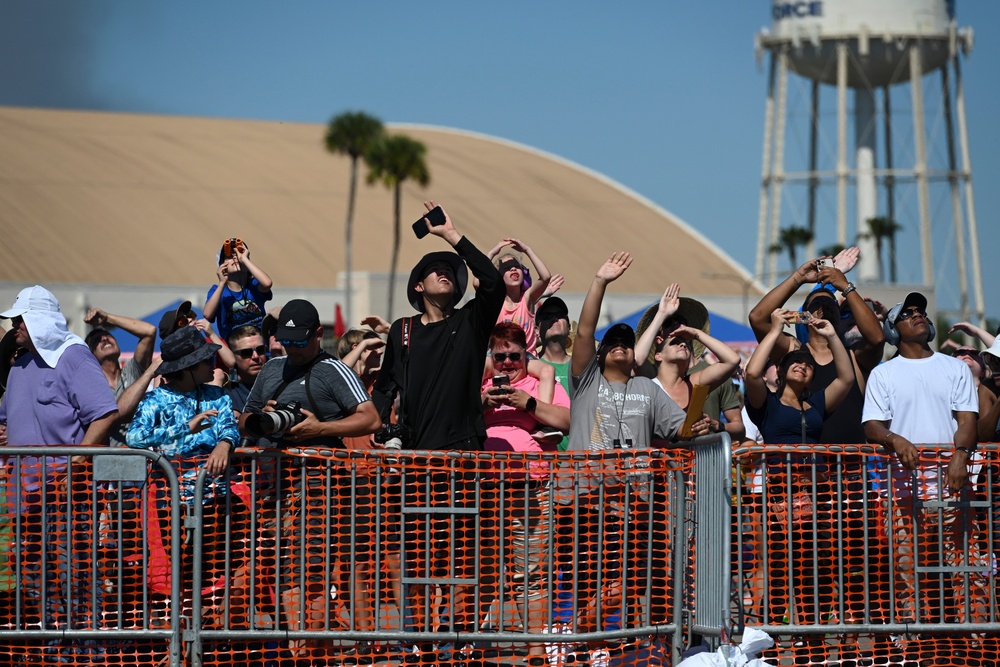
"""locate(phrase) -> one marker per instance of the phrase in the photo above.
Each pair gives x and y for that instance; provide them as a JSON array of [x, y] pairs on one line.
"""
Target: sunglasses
[[295, 343], [501, 357], [911, 312], [248, 352], [618, 342]]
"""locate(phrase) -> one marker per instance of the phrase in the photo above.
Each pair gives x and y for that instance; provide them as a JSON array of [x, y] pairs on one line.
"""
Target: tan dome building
[[128, 211]]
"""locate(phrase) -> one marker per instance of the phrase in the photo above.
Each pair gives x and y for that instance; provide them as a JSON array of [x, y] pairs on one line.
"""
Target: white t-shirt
[[918, 397]]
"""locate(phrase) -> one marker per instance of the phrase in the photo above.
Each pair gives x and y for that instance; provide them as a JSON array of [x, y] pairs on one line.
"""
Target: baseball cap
[[168, 323], [298, 320], [32, 299], [619, 334], [912, 299]]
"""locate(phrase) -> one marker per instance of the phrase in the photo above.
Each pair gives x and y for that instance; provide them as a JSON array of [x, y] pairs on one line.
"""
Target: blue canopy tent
[[723, 328], [127, 341]]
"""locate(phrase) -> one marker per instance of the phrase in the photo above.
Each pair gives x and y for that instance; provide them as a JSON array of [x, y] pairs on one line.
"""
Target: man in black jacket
[[435, 361]]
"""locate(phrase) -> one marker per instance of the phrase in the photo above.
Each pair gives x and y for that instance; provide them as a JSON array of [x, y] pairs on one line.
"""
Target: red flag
[[339, 328]]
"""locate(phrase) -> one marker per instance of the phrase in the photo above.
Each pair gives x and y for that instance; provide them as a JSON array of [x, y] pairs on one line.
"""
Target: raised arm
[[129, 399], [836, 390], [716, 374], [263, 280], [756, 389], [760, 315], [972, 330], [211, 308], [669, 303], [868, 355], [144, 331], [583, 344], [352, 357], [226, 355], [542, 274]]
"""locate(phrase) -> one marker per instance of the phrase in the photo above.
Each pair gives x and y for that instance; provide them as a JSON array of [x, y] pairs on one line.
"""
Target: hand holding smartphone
[[435, 218], [825, 262], [500, 381]]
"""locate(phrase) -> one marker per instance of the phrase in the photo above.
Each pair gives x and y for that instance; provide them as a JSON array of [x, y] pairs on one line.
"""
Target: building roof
[[112, 198]]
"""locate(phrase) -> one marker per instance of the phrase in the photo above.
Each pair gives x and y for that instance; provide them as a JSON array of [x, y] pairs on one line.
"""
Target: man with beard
[[845, 427]]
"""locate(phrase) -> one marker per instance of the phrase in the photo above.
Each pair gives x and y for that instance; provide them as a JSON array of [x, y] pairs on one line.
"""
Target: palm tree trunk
[[397, 195], [878, 253], [348, 246], [892, 257], [791, 256]]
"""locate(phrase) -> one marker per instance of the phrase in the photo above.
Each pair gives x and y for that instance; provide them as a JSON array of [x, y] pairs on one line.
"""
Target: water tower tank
[[869, 155], [877, 32]]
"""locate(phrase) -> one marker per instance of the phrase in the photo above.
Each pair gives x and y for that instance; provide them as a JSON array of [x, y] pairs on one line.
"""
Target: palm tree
[[789, 239], [352, 133], [883, 228], [392, 160]]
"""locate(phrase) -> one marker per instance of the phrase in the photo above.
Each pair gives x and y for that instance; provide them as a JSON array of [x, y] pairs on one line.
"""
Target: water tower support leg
[[920, 165], [763, 243], [842, 170], [956, 198], [778, 173], [963, 138]]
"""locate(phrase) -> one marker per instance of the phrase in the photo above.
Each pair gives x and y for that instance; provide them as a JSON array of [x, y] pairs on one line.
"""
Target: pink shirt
[[524, 318], [509, 429]]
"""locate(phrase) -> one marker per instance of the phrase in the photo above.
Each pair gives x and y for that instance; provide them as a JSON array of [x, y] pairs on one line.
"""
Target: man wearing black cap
[[332, 398], [613, 411], [552, 320], [922, 396], [335, 405], [435, 361]]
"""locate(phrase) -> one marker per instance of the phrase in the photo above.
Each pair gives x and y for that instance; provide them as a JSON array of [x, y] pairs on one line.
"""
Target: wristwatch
[[531, 404], [848, 289]]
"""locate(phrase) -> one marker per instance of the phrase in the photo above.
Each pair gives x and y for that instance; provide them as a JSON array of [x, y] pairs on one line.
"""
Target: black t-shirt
[[843, 426], [441, 377]]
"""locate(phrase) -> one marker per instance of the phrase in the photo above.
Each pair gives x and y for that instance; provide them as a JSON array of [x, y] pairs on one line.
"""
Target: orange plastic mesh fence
[[867, 561], [321, 557]]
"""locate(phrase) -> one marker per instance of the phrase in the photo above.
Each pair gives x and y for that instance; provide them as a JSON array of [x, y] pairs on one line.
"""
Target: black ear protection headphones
[[889, 326]]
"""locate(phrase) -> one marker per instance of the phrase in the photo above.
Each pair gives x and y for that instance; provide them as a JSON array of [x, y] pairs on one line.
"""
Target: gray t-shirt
[[603, 412], [335, 388], [130, 374]]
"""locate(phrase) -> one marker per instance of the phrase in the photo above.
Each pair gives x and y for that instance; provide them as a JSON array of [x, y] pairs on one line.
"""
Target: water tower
[[902, 147]]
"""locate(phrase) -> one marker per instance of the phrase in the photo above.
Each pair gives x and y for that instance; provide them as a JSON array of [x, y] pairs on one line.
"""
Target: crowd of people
[[504, 371]]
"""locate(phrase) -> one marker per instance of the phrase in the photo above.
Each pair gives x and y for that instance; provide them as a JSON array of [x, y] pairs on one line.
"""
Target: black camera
[[274, 423], [390, 431]]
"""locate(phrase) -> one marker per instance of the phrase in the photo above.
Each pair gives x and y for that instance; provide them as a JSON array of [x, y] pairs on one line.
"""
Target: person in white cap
[[56, 395]]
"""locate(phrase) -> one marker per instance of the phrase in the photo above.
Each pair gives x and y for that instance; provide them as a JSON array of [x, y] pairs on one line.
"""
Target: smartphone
[[435, 216], [826, 262], [501, 380], [800, 318]]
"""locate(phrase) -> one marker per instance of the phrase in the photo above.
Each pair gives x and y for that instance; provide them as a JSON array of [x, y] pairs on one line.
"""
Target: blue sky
[[665, 98]]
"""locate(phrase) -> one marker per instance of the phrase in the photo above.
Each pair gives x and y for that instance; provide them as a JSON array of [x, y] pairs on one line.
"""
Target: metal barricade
[[82, 576], [711, 493], [847, 556], [341, 557]]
